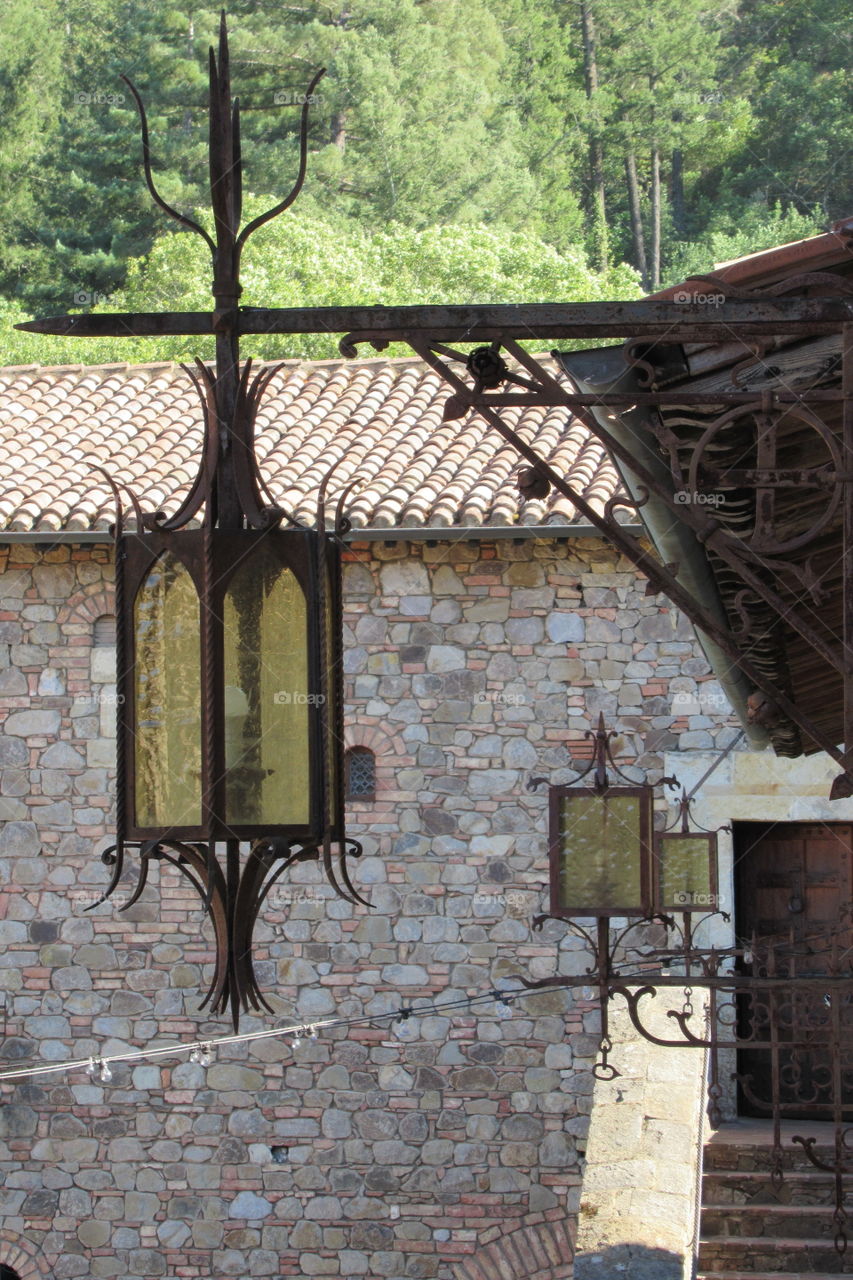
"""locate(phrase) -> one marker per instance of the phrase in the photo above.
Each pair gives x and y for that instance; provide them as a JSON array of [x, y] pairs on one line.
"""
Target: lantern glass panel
[[267, 698], [602, 852], [686, 865], [330, 709], [167, 694]]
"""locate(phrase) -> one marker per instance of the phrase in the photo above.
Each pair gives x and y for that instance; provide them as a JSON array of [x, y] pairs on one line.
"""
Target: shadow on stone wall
[[629, 1262]]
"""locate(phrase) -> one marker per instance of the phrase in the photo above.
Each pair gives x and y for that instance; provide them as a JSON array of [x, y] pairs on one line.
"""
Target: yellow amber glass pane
[[267, 695], [684, 872], [600, 852], [331, 689], [167, 678]]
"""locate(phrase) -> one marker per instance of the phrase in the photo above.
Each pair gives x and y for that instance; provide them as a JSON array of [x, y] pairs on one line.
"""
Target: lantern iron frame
[[603, 788], [238, 516]]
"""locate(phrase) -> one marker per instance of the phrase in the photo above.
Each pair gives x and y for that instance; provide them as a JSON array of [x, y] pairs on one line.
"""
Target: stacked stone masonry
[[470, 667]]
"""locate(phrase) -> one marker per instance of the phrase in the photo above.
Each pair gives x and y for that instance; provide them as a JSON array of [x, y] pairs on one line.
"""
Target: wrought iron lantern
[[205, 758], [685, 866], [600, 846], [605, 859], [780, 997], [230, 688], [229, 634]]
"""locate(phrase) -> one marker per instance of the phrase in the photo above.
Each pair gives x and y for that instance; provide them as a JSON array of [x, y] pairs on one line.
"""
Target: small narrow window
[[104, 636], [102, 657], [360, 767]]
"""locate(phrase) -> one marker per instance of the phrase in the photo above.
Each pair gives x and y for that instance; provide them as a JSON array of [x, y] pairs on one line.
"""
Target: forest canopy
[[459, 151]]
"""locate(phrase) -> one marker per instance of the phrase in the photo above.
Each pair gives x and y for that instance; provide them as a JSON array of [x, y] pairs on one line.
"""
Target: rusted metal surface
[[780, 998], [843, 785], [237, 520], [783, 574], [662, 578], [677, 322], [789, 1001]]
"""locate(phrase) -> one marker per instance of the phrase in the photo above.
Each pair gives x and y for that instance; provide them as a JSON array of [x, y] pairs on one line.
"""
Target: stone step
[[758, 1157], [753, 1186], [768, 1275], [748, 1255], [791, 1221]]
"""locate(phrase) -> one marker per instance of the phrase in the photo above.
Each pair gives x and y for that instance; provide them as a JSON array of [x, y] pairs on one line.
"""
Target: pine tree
[[30, 97], [669, 115], [798, 77], [409, 122]]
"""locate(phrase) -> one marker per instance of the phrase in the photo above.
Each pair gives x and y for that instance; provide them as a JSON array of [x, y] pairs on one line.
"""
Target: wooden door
[[793, 887]]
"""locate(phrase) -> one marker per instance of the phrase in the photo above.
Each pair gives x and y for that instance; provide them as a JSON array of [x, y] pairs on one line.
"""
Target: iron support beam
[[659, 575], [847, 544], [674, 321], [708, 531]]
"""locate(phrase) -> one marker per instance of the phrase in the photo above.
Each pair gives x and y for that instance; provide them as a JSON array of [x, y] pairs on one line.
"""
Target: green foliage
[[542, 99], [734, 234], [30, 87], [799, 77], [304, 260], [435, 116]]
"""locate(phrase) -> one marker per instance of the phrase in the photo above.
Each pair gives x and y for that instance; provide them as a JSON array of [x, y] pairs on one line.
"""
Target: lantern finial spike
[[684, 806], [601, 753]]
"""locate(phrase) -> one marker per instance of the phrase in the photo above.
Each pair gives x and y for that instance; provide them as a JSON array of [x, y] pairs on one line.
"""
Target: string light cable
[[201, 1051]]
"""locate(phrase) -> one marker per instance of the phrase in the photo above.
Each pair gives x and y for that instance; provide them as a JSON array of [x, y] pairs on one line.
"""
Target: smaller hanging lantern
[[685, 867]]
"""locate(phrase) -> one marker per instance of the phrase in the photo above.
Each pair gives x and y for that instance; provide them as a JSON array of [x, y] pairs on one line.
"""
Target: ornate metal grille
[[360, 766], [784, 1007]]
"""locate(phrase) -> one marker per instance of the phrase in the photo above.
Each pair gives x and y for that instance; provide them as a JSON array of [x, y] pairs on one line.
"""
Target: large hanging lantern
[[230, 732], [231, 693]]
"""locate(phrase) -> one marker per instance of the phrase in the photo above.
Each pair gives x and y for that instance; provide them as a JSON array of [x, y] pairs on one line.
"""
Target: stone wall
[[639, 1197], [456, 1153]]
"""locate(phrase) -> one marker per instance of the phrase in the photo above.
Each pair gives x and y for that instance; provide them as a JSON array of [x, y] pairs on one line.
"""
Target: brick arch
[[85, 607], [23, 1256], [373, 736], [540, 1251], [389, 749]]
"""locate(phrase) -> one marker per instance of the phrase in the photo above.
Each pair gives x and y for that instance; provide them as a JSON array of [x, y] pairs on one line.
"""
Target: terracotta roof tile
[[378, 421]]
